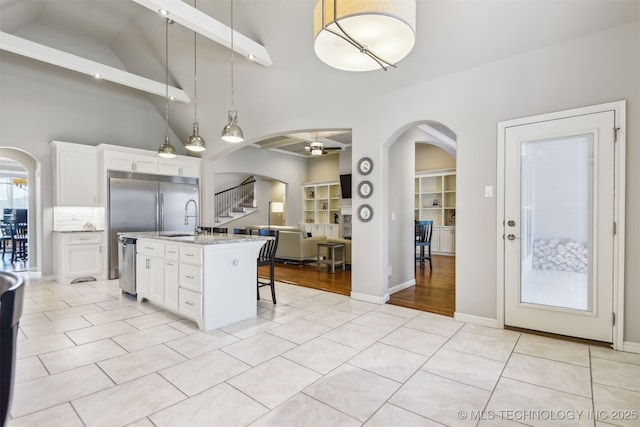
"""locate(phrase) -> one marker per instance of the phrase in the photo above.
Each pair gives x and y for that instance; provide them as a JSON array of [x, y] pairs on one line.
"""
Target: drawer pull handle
[[188, 254], [147, 247], [235, 262], [189, 277], [170, 264], [188, 303]]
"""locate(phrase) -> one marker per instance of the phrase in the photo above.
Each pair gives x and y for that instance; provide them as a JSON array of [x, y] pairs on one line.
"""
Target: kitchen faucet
[[186, 214]]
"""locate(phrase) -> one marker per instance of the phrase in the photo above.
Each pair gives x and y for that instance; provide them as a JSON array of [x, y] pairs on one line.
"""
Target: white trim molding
[[402, 286], [370, 298], [631, 347], [477, 320]]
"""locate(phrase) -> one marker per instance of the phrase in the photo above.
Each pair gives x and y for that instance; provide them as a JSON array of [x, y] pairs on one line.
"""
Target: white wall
[[40, 104], [291, 170], [429, 157], [401, 211]]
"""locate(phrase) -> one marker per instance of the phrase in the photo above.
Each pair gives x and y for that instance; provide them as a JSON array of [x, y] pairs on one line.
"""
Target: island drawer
[[191, 277], [191, 254], [172, 252], [190, 303], [150, 248]]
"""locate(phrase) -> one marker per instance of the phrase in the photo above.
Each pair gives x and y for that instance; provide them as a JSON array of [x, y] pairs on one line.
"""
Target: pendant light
[[167, 150], [195, 141], [232, 131]]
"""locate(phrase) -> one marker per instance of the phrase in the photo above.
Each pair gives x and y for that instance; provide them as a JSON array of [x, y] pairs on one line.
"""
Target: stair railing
[[234, 199]]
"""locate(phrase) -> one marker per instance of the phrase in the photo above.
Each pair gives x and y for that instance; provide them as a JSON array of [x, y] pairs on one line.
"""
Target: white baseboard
[[370, 298], [476, 320], [402, 286], [631, 347]]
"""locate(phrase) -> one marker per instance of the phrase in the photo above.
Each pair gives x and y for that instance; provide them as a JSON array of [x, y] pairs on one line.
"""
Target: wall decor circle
[[365, 213], [365, 166], [365, 189]]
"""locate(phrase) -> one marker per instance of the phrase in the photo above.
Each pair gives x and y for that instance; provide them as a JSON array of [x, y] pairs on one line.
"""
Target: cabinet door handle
[[170, 264], [188, 303], [189, 277], [148, 263], [235, 262], [187, 254]]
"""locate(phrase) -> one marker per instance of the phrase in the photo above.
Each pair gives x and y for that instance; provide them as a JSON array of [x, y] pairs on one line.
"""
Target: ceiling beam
[[47, 54], [210, 28]]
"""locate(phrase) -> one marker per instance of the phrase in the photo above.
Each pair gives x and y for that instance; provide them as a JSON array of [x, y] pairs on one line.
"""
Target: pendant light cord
[[166, 71], [195, 69], [232, 104]]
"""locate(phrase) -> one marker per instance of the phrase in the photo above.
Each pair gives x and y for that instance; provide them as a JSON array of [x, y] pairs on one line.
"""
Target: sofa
[[296, 245]]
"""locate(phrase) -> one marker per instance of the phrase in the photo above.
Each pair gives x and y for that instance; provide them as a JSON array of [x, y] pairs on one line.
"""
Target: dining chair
[[267, 256], [224, 230], [20, 241], [424, 229], [6, 237], [11, 297]]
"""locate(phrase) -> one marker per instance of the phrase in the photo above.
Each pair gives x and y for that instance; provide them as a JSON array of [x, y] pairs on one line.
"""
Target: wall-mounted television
[[345, 186]]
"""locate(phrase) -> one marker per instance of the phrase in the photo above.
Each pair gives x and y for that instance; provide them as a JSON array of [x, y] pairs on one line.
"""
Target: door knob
[[511, 223], [512, 237]]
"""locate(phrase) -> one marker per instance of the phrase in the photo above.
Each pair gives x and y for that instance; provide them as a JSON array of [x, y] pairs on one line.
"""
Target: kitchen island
[[208, 278]]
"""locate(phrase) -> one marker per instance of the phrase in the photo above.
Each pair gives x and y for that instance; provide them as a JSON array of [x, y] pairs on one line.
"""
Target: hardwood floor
[[434, 290]]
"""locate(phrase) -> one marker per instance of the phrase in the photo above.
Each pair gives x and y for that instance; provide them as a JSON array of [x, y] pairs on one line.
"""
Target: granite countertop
[[199, 239]]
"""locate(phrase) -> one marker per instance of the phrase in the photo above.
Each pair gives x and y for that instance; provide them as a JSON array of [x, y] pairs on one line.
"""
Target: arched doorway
[[16, 160], [423, 192]]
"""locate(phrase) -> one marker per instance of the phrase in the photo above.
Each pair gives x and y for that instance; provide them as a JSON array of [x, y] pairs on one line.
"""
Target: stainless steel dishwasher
[[127, 264]]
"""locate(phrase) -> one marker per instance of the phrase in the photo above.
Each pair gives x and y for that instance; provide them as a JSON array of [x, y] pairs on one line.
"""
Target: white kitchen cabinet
[[78, 256], [332, 231], [74, 171], [150, 270], [447, 240], [171, 275], [171, 284], [435, 239], [180, 166], [214, 285], [130, 161]]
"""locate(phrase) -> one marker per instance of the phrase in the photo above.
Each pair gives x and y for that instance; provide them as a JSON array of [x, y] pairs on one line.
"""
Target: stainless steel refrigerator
[[143, 202]]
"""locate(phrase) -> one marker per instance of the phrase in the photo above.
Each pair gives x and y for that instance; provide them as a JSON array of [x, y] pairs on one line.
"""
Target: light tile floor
[[88, 355]]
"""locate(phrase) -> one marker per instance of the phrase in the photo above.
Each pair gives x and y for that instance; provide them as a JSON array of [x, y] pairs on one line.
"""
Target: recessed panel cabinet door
[[76, 178]]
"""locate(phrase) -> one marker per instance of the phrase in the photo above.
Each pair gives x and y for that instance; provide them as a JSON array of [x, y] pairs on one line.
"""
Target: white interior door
[[559, 225]]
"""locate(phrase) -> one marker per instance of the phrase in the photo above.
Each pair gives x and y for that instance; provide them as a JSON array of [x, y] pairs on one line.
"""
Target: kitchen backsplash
[[66, 218]]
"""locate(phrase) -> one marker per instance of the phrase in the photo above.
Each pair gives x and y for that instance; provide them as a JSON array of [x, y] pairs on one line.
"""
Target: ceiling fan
[[317, 147]]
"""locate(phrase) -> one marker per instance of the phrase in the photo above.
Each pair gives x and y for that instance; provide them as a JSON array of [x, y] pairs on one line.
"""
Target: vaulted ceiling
[[452, 35]]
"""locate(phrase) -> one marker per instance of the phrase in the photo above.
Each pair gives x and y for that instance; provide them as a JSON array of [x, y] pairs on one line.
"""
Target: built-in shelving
[[321, 202], [435, 200]]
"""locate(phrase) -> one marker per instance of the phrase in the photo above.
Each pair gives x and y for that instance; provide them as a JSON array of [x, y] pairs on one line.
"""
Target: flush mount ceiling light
[[232, 132], [316, 148], [195, 141], [167, 150], [364, 35]]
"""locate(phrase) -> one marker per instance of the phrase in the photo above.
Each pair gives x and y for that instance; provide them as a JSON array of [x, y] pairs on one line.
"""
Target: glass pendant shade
[[232, 132], [364, 35], [167, 150], [195, 141]]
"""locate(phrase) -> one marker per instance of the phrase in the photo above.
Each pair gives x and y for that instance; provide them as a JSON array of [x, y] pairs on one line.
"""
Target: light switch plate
[[488, 191]]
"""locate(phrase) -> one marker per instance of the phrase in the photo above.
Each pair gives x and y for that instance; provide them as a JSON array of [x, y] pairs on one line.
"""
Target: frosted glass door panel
[[556, 222]]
